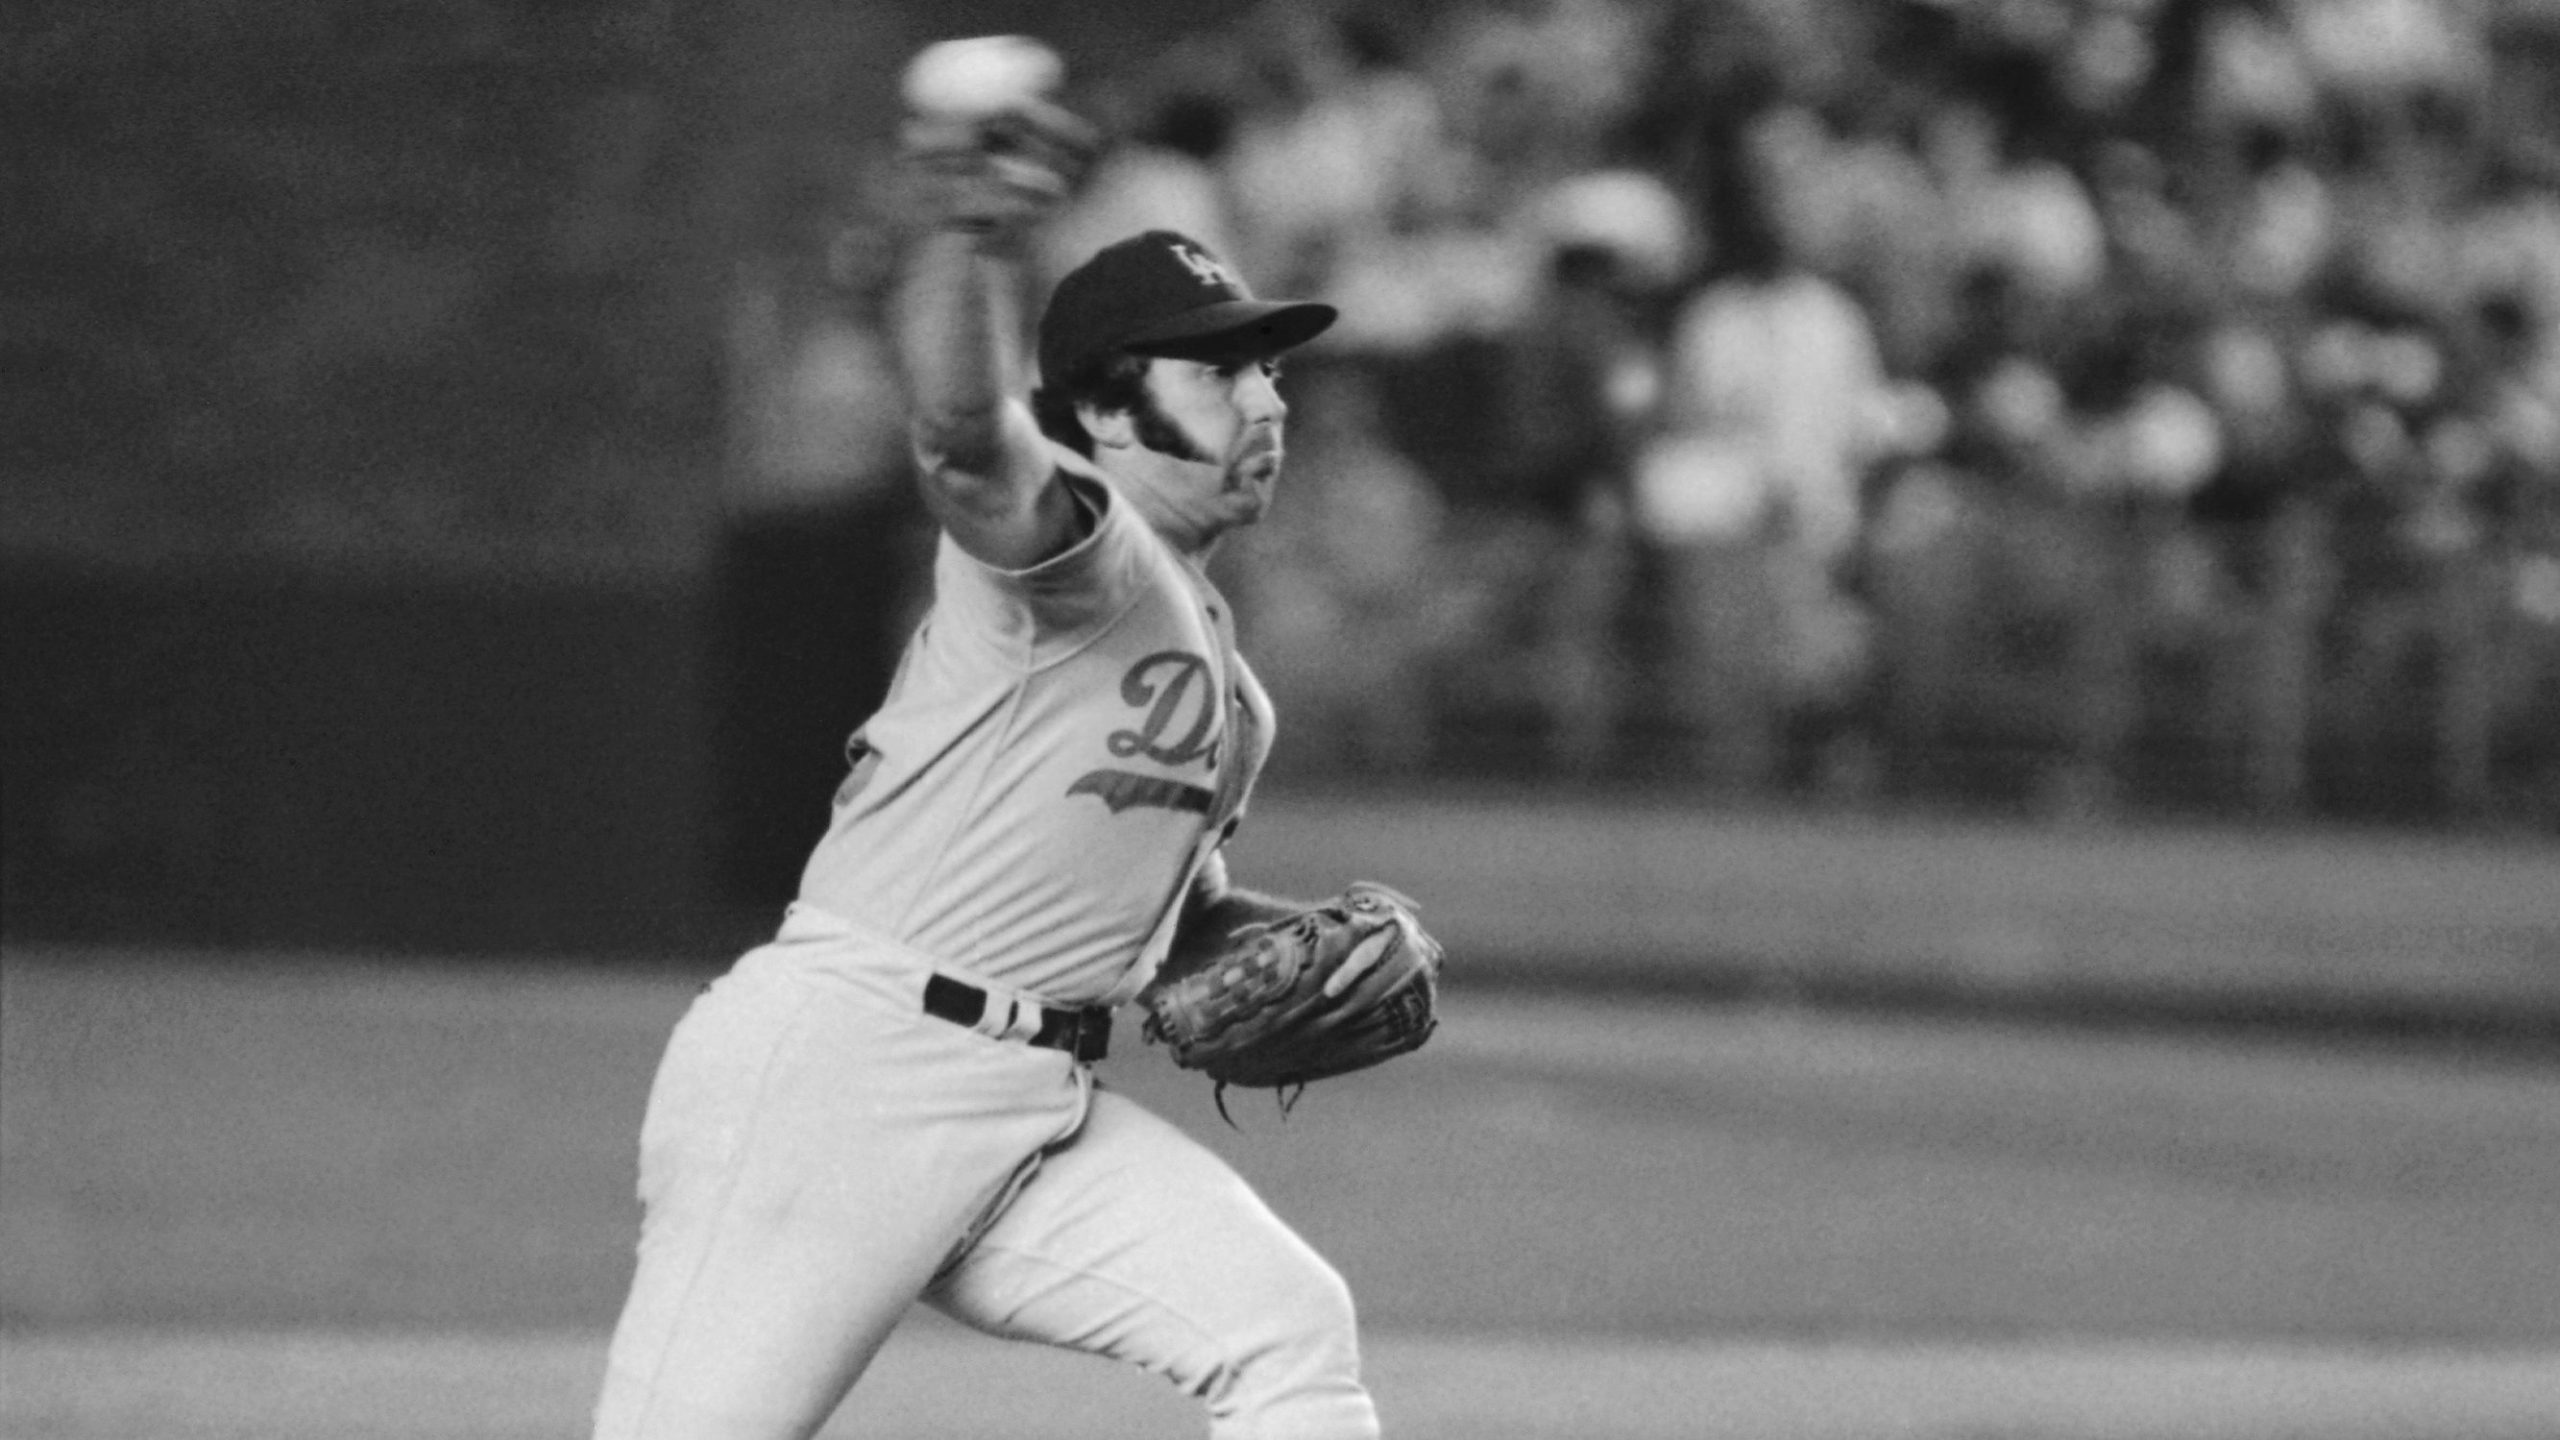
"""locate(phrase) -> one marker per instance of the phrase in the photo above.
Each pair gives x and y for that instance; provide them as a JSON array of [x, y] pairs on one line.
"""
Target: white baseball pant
[[818, 1154]]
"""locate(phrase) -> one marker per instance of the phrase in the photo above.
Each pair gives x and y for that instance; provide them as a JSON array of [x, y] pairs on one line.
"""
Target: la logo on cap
[[1209, 271]]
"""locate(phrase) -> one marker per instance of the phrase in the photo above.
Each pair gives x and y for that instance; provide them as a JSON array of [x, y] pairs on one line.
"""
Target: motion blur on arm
[[982, 184]]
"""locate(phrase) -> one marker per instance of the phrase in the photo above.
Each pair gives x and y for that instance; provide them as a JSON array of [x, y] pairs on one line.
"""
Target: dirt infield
[[938, 1383]]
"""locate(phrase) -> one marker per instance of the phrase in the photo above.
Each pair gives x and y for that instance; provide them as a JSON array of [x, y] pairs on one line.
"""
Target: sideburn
[[1157, 432]]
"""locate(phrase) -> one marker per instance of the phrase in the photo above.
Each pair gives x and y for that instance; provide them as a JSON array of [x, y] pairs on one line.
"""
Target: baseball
[[983, 75]]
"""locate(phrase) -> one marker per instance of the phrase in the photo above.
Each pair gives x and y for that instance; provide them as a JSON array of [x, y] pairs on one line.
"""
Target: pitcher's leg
[[1136, 1242], [806, 1166]]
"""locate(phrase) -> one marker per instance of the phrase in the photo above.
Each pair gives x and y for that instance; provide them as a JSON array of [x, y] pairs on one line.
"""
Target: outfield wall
[[260, 761], [252, 758]]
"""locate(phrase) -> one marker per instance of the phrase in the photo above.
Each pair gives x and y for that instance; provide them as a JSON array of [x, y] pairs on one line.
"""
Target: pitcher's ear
[[1110, 429]]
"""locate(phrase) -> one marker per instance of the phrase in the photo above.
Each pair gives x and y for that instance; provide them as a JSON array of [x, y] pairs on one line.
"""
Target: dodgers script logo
[[1177, 701]]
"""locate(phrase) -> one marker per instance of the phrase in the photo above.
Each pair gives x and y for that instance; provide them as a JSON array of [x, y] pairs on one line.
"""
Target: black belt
[[1085, 1034]]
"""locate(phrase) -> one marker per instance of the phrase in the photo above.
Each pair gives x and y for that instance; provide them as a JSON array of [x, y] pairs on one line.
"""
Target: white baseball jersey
[[1063, 746]]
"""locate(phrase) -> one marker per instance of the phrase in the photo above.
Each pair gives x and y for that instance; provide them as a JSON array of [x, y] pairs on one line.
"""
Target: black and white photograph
[[1280, 720]]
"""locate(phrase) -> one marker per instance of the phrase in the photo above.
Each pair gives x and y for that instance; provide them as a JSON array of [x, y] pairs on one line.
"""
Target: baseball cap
[[1163, 293]]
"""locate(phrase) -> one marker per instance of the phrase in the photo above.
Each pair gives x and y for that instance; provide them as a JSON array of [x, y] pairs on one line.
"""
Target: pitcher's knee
[[1293, 1367]]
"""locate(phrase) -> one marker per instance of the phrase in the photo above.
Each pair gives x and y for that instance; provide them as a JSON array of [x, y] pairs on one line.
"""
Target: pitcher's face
[[1223, 419]]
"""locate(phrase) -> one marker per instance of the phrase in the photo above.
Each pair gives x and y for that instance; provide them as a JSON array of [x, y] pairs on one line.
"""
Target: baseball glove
[[1341, 987]]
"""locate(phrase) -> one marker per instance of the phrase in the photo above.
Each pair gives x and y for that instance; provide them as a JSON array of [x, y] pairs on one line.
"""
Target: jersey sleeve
[[1048, 610]]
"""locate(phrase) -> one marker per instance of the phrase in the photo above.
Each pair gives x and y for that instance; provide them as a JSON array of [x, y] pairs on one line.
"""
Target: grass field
[[298, 1196]]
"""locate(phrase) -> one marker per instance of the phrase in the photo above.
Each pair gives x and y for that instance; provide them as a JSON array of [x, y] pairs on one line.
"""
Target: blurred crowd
[[2064, 401], [1789, 391]]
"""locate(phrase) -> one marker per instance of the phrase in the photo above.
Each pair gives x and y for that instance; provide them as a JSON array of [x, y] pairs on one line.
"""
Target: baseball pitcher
[[893, 1099]]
